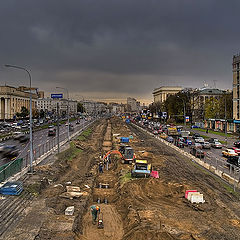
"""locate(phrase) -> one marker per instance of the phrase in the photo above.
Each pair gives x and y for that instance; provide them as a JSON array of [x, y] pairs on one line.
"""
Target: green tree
[[212, 108], [24, 112], [80, 107]]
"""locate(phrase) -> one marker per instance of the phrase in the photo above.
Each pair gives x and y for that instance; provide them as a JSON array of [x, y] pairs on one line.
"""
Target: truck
[[141, 168], [172, 131]]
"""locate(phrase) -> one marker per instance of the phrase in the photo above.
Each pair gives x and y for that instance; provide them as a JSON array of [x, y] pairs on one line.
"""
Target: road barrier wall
[[231, 180]]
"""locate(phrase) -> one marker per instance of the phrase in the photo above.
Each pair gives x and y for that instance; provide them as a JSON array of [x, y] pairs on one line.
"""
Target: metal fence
[[23, 160]]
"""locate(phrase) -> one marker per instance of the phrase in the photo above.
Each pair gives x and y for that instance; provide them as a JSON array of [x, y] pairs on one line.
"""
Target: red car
[[236, 150]]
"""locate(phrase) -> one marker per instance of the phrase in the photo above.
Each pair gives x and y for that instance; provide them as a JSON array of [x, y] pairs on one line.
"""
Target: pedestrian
[[100, 167], [207, 130], [95, 210]]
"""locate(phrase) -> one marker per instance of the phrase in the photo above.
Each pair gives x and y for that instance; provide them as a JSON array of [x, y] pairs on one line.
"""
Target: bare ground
[[136, 209]]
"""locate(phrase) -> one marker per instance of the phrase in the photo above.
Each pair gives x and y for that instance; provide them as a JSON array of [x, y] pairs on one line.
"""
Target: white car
[[199, 140]]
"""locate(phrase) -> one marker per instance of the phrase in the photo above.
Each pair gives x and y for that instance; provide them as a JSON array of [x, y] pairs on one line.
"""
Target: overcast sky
[[111, 49]]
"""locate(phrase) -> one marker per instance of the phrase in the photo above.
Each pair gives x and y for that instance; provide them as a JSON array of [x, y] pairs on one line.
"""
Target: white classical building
[[94, 108], [13, 99]]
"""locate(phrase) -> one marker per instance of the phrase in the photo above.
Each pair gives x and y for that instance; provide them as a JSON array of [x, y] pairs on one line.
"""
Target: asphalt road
[[214, 156], [41, 141]]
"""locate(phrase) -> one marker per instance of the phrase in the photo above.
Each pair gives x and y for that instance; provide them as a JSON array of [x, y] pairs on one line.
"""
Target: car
[[212, 140], [155, 132], [180, 143], [194, 126], [163, 135], [206, 145], [198, 152], [24, 138], [10, 152], [196, 135], [77, 122], [170, 139], [188, 142], [51, 132], [237, 150], [229, 153], [71, 128], [197, 145], [199, 140], [216, 145], [237, 144]]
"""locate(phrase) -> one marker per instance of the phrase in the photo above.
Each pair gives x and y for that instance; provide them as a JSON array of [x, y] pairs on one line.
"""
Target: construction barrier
[[11, 168]]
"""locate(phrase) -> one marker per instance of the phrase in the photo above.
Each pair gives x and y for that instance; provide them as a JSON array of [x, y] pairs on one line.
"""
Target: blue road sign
[[56, 95]]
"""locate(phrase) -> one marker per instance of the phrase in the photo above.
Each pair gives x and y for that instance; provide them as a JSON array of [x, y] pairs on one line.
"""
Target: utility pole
[[30, 117], [225, 119], [58, 127]]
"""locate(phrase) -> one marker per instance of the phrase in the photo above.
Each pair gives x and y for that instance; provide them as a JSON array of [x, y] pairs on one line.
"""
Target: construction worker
[[95, 210], [100, 167]]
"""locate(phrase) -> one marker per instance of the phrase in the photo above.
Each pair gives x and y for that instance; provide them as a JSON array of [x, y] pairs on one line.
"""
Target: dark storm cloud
[[121, 46]]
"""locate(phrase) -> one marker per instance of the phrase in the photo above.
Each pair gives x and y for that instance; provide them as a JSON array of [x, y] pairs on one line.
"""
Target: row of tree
[[175, 105]]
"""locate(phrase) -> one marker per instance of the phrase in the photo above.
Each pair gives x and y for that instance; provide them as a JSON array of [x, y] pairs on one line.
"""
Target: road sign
[[187, 119], [56, 95]]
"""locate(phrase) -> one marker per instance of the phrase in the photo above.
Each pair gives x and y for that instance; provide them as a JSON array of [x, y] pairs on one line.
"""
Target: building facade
[[13, 99], [49, 105], [198, 100], [132, 104], [236, 88], [94, 108], [162, 93]]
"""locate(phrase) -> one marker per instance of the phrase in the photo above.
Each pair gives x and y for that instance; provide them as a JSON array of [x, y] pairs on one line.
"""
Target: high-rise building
[[236, 88]]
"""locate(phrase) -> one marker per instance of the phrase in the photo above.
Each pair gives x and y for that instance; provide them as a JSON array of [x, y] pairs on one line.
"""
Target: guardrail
[[227, 171], [20, 166]]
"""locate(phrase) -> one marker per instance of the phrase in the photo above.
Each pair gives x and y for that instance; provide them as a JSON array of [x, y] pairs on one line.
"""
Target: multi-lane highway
[[41, 141]]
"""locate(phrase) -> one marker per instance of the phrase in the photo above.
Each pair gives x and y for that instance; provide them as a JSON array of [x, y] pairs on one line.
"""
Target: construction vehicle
[[172, 131], [127, 152], [141, 168]]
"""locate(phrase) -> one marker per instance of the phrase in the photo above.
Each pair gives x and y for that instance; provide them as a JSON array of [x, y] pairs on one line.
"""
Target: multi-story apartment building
[[162, 93], [236, 87], [198, 100], [132, 104], [13, 99], [94, 108], [50, 105]]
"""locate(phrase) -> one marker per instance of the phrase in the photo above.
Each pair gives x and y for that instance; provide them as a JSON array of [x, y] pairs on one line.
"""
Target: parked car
[[206, 145], [194, 126], [198, 152], [229, 153], [237, 150], [216, 145]]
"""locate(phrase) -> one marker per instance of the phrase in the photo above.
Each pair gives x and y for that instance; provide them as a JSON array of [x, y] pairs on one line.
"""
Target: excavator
[[125, 152]]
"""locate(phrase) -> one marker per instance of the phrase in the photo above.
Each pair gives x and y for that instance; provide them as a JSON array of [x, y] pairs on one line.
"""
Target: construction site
[[139, 184]]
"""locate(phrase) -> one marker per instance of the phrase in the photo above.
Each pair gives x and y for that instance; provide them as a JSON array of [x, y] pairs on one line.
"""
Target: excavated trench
[[104, 194]]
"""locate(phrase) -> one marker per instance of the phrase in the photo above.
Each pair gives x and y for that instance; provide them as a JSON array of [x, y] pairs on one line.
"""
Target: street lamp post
[[31, 134], [67, 109], [184, 111]]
